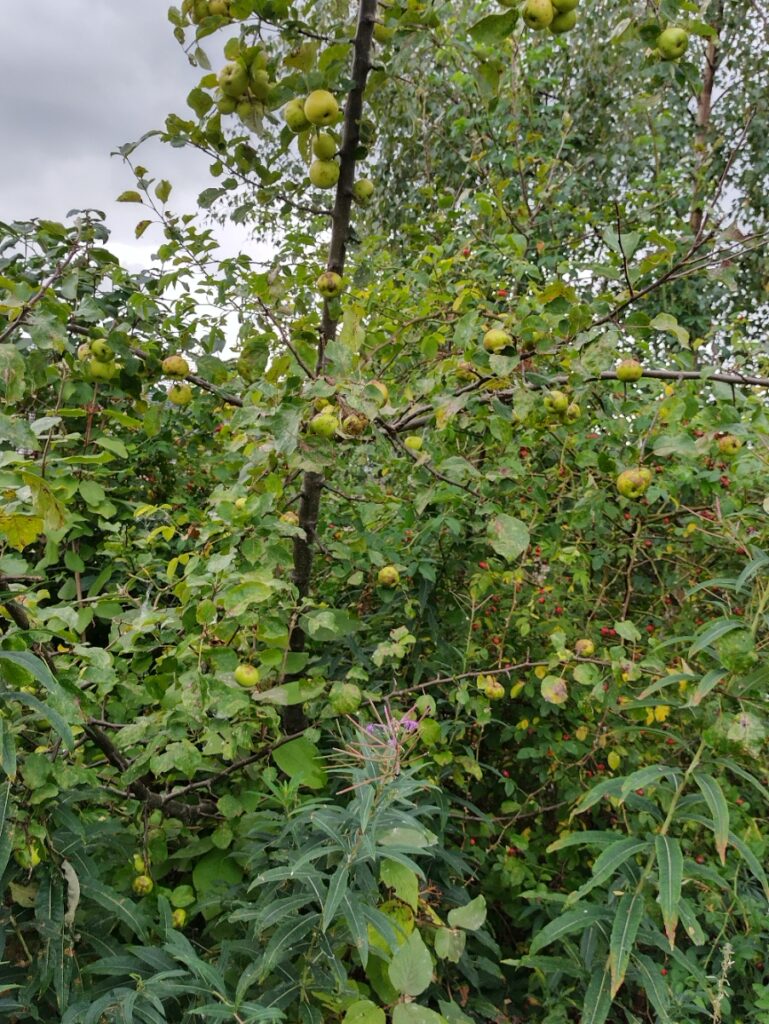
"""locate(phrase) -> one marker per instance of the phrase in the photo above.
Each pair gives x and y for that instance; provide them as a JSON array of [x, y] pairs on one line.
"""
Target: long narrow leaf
[[654, 987], [608, 863], [572, 921], [630, 911], [670, 867], [718, 808], [598, 998], [336, 890], [590, 837], [47, 712]]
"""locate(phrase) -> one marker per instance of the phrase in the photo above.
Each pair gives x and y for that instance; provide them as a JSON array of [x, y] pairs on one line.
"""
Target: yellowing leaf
[[554, 690], [20, 530], [661, 712]]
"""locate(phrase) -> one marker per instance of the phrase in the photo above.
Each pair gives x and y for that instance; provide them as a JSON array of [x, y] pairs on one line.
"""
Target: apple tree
[[384, 624]]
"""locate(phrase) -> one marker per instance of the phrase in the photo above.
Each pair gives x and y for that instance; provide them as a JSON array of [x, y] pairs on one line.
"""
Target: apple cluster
[[98, 360], [244, 84], [197, 10], [559, 16]]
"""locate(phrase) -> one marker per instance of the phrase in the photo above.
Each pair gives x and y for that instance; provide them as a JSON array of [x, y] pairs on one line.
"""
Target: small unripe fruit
[[362, 191], [84, 352], [260, 84], [180, 394], [538, 14], [672, 43], [139, 864], [290, 517], [494, 689], [584, 648], [325, 424], [633, 483], [324, 173], [629, 371], [563, 23], [321, 108], [383, 33], [175, 366], [247, 675], [556, 401], [98, 370], [293, 115], [562, 6], [330, 284], [179, 917], [324, 146], [496, 339], [100, 350], [388, 576], [572, 413], [142, 885], [227, 105], [233, 80], [729, 445], [414, 443], [221, 7]]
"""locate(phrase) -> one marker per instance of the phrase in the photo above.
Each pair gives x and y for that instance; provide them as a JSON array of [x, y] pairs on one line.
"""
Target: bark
[[704, 108], [312, 483]]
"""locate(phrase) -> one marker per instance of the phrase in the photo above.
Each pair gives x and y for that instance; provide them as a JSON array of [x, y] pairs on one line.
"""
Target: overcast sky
[[78, 78]]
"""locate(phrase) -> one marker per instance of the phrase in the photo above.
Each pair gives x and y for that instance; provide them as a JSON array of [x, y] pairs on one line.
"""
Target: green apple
[[564, 6], [563, 23], [100, 350], [233, 79], [355, 424], [290, 517], [330, 284], [260, 84], [179, 917], [556, 401], [321, 108], [572, 413], [584, 648], [383, 33], [388, 576], [629, 371], [324, 146], [139, 864], [538, 14], [633, 483], [247, 675], [180, 394], [362, 191], [175, 366], [142, 885], [414, 443], [84, 351], [496, 339], [324, 173], [227, 105], [494, 689], [672, 43], [98, 370], [293, 115], [324, 424], [221, 7], [729, 445]]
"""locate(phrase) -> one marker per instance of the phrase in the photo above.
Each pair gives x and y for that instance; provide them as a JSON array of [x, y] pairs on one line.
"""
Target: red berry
[[483, 565], [541, 600], [664, 970], [601, 767], [639, 792], [566, 736], [558, 610], [472, 842], [650, 628], [502, 293], [537, 550], [605, 630], [465, 252], [506, 773], [700, 858]]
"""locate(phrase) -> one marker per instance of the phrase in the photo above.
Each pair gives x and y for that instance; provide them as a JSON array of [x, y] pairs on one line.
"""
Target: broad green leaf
[[301, 761], [471, 916], [411, 968], [413, 1013], [450, 944], [572, 921], [627, 921], [402, 880], [668, 323], [494, 27], [670, 867], [364, 1012], [718, 808], [508, 536], [20, 530]]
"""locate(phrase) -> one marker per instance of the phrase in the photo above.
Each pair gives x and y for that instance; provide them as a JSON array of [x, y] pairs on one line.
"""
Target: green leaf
[[608, 863], [653, 985], [20, 530], [668, 323], [628, 631], [402, 880], [508, 536], [670, 867], [708, 682], [364, 1012], [36, 667], [598, 998], [450, 944], [712, 632], [718, 808], [627, 921], [163, 190], [577, 920], [301, 761], [129, 197], [411, 968], [112, 444], [47, 712], [6, 830], [413, 1013], [494, 27], [471, 916], [587, 838]]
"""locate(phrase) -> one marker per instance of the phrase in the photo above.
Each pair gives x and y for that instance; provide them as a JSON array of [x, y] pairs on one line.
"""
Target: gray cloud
[[77, 80]]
